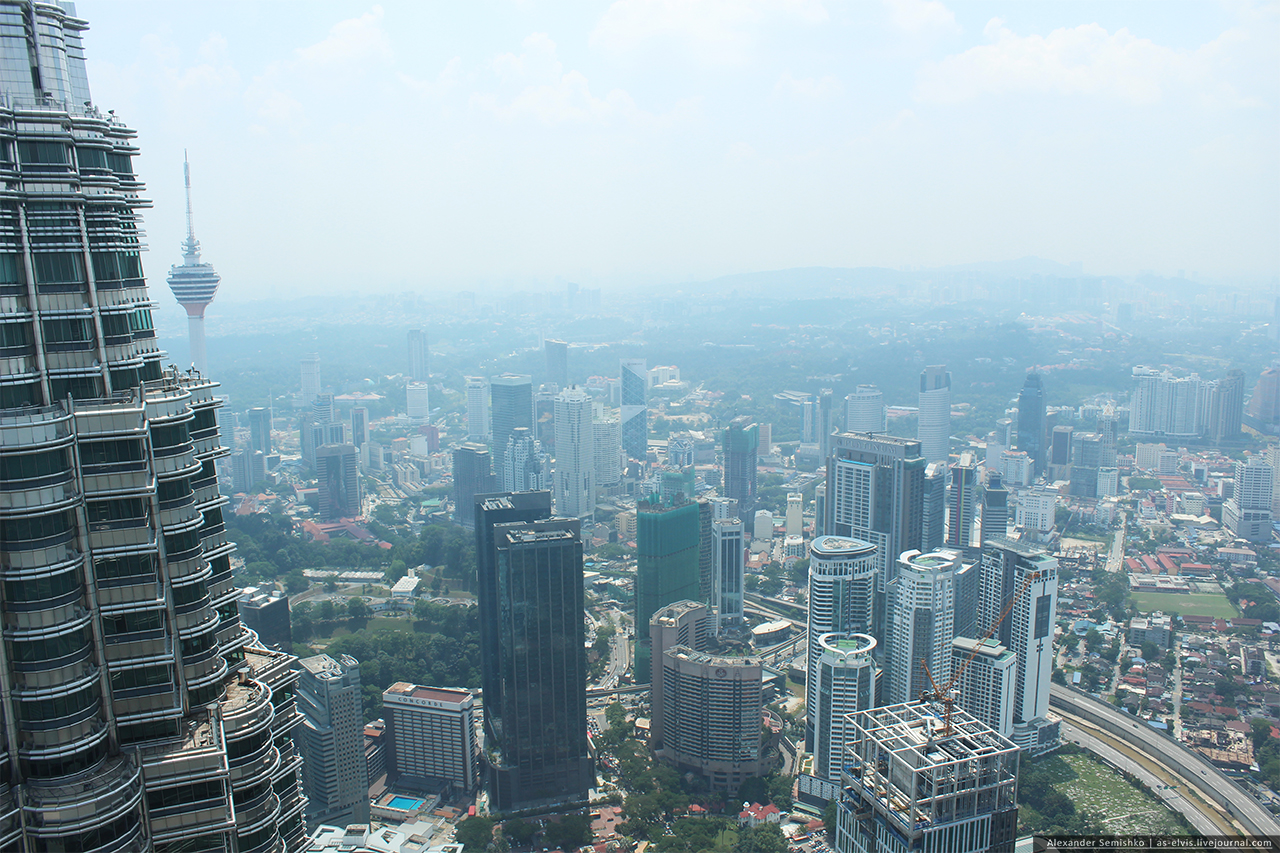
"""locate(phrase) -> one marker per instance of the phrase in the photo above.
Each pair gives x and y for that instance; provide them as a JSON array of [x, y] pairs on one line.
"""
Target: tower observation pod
[[193, 283]]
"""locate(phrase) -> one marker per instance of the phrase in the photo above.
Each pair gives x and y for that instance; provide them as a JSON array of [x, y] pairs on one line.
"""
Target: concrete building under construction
[[917, 778]]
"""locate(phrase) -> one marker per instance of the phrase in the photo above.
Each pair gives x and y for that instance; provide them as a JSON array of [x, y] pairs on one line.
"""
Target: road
[[1158, 752], [1169, 796], [619, 649], [1115, 560]]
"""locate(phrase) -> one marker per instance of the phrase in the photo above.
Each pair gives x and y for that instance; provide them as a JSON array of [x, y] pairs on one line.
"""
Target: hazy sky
[[441, 145]]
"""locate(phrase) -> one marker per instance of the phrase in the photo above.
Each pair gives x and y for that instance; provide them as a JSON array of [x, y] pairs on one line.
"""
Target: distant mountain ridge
[[816, 280]]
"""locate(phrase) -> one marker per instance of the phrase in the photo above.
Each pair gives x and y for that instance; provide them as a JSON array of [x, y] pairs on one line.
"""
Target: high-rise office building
[[845, 684], [418, 402], [761, 528], [477, 408], [739, 445], [842, 599], [419, 356], [490, 511], [681, 623], [359, 426], [1086, 458], [512, 406], [575, 469], [729, 565], [607, 432], [331, 738], [933, 528], [810, 422], [1060, 445], [266, 613], [193, 283], [310, 378], [828, 415], [995, 509], [431, 736], [634, 389], [706, 551], [987, 674], [1107, 435], [129, 675], [1225, 407], [933, 427], [1263, 412], [472, 475], [1247, 514], [526, 468], [260, 429], [875, 493], [1031, 431], [795, 514], [557, 355], [893, 798], [1012, 569], [667, 549], [722, 508], [539, 715], [339, 481], [712, 708], [920, 623], [962, 501], [865, 411]]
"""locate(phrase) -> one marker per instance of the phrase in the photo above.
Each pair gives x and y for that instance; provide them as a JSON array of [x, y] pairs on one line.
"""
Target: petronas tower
[[136, 712]]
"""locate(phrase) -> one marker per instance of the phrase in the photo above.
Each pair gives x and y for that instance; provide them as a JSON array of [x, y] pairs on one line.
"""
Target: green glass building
[[667, 569]]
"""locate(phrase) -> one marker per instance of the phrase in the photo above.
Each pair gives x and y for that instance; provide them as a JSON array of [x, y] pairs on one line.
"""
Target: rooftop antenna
[[192, 248]]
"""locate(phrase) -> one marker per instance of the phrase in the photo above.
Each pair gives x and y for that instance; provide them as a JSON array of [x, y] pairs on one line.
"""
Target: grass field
[[1191, 604], [1120, 806]]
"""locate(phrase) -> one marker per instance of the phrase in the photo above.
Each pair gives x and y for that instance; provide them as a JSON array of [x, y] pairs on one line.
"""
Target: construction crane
[[944, 694]]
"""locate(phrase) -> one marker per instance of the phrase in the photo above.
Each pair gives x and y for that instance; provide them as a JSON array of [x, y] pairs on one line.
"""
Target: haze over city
[[694, 426], [424, 146]]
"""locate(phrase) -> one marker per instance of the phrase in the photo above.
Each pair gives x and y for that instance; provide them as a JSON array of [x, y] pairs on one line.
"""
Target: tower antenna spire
[[192, 246]]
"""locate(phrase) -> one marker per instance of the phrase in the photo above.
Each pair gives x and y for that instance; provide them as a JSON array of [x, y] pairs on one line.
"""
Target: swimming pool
[[408, 804]]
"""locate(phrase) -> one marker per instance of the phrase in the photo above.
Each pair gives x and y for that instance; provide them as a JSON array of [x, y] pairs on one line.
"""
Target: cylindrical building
[[846, 683], [842, 597], [712, 716]]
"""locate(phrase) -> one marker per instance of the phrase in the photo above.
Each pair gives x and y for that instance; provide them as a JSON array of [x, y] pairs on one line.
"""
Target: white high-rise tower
[[575, 475], [193, 283], [920, 623], [934, 425]]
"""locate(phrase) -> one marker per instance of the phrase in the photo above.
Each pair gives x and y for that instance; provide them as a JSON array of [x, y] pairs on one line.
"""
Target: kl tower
[[193, 283]]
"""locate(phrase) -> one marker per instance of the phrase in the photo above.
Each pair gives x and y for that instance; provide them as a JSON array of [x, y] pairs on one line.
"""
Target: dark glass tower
[[667, 565], [739, 447], [633, 394], [137, 713], [490, 511], [1031, 434], [538, 750]]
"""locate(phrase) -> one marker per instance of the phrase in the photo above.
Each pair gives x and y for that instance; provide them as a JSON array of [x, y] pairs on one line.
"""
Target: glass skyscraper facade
[[668, 549], [538, 745], [137, 713]]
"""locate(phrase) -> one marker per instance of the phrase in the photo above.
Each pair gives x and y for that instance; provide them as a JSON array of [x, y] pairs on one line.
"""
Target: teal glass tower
[[668, 540]]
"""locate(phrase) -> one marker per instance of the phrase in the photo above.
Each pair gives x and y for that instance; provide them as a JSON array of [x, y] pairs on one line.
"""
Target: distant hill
[[1022, 266], [822, 281], [803, 281]]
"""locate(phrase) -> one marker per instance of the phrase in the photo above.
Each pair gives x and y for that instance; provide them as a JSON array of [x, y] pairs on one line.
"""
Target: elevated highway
[[1200, 786]]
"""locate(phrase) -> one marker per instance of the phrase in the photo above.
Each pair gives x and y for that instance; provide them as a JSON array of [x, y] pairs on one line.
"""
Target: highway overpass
[[1211, 791]]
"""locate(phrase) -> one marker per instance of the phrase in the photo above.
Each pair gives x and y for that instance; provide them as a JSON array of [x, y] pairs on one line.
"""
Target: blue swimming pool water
[[409, 804]]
